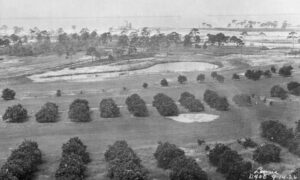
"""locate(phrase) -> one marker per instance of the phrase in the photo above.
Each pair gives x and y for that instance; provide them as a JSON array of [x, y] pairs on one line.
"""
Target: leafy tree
[[137, 106], [285, 71], [273, 69], [79, 111], [200, 77], [16, 114], [165, 105], [240, 170], [164, 82], [235, 76], [165, 153], [123, 41], [76, 146], [145, 85], [214, 74], [188, 101], [58, 93], [267, 74], [8, 94], [253, 74], [277, 91], [216, 153], [184, 168], [220, 78], [267, 153], [109, 109], [292, 85], [48, 113], [215, 101], [187, 42], [182, 79], [227, 159]]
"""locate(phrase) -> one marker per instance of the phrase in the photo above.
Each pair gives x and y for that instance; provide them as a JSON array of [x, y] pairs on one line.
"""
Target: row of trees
[[170, 157], [73, 161]]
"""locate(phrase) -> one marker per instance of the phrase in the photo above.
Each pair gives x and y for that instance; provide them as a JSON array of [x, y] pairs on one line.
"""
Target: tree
[[292, 35], [220, 78], [215, 154], [239, 171], [267, 74], [187, 42], [79, 111], [215, 101], [200, 77], [8, 94], [277, 91], [292, 85], [109, 109], [267, 153], [164, 82], [165, 153], [137, 106], [182, 79], [188, 101], [235, 76], [227, 159], [273, 69], [184, 168], [16, 114], [76, 146], [48, 113], [242, 100], [285, 71], [123, 41], [214, 74], [253, 74], [165, 105], [145, 85]]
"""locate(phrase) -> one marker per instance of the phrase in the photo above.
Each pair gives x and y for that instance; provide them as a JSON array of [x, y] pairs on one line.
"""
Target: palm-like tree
[[292, 35]]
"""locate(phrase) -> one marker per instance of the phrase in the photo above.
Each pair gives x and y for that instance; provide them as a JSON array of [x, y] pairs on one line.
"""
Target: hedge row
[[73, 161], [169, 156], [123, 163], [22, 162], [189, 101], [229, 163], [215, 101]]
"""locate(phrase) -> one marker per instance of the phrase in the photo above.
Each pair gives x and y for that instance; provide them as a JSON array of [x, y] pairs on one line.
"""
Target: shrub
[[183, 168], [235, 76], [276, 132], [165, 105], [22, 162], [285, 71], [215, 153], [109, 109], [79, 111], [145, 85], [267, 153], [277, 91], [8, 94], [242, 100], [137, 106], [15, 113], [165, 153], [48, 113], [248, 142], [164, 82], [58, 93], [182, 79], [73, 161], [215, 101], [200, 77]]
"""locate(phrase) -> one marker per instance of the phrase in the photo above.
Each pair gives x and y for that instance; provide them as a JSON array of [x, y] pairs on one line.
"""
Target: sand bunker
[[190, 118]]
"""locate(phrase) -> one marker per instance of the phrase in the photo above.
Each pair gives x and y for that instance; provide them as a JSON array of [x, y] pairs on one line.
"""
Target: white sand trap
[[190, 118]]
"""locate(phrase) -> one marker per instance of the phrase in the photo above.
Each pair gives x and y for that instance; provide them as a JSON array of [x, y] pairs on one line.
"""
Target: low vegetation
[[109, 109], [22, 162], [48, 113], [165, 105], [79, 111], [15, 114]]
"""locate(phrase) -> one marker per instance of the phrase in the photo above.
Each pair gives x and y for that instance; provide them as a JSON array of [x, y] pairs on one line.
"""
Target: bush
[[182, 79], [267, 153], [285, 71], [183, 168], [276, 132], [16, 114], [58, 93], [109, 109], [8, 94], [164, 83], [215, 101], [165, 153], [48, 113], [242, 100], [200, 77], [124, 164], [165, 105], [248, 143], [235, 76], [23, 162], [277, 91], [145, 85], [137, 106], [79, 111], [73, 161]]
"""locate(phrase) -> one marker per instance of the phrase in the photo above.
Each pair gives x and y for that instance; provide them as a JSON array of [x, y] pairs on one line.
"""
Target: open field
[[144, 133]]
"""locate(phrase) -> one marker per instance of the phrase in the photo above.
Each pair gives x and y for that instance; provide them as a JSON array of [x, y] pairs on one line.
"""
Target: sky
[[112, 8]]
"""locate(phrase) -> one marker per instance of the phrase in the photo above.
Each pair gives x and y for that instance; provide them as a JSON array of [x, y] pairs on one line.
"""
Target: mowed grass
[[141, 133]]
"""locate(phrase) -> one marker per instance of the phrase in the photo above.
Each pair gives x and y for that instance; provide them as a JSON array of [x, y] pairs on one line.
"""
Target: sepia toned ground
[[144, 133]]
